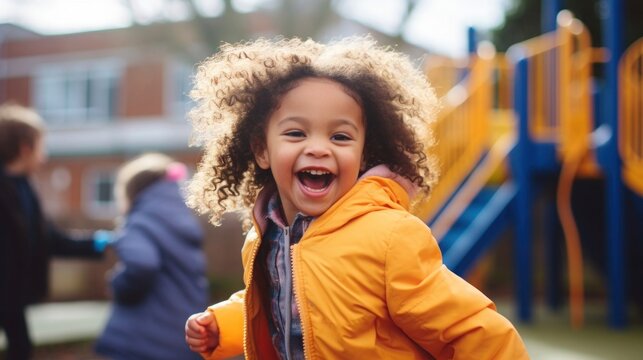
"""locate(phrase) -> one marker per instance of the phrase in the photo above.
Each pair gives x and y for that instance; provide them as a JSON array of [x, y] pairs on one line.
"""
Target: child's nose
[[317, 147]]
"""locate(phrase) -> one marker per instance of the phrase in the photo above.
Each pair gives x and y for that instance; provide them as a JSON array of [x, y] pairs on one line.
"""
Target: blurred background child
[[27, 238], [160, 277]]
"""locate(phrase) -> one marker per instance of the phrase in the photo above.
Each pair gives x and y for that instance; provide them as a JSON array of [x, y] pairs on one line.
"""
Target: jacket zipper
[[291, 286], [294, 250]]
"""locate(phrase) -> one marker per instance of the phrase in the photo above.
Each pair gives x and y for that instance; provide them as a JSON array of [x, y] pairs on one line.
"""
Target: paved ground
[[551, 337], [66, 330]]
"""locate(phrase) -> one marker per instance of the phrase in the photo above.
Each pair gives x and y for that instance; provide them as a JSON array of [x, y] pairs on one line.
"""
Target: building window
[[104, 197], [81, 94], [99, 195]]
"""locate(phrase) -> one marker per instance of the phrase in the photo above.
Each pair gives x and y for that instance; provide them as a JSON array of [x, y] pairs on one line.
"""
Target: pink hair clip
[[176, 172]]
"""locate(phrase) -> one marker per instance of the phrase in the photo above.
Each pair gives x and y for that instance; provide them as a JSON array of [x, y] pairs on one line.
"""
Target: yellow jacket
[[369, 284]]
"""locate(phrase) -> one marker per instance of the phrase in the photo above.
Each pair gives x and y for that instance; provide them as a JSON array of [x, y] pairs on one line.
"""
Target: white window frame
[[180, 76], [95, 208], [78, 93]]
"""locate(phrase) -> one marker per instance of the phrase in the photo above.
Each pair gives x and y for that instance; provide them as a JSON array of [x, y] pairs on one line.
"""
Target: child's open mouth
[[315, 180]]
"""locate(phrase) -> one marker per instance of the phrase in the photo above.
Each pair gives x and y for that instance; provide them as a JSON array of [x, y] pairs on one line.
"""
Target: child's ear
[[261, 155], [262, 160], [26, 149], [25, 153], [362, 165]]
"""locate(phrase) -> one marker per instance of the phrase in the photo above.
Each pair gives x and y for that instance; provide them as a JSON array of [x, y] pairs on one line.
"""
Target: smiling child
[[326, 144]]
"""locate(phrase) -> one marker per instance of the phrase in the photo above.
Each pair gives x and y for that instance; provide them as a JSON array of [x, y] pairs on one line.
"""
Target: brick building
[[106, 96]]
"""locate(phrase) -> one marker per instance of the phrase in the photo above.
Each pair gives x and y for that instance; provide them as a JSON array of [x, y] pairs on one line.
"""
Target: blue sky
[[437, 25]]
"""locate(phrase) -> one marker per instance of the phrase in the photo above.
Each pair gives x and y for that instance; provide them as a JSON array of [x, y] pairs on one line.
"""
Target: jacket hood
[[378, 188]]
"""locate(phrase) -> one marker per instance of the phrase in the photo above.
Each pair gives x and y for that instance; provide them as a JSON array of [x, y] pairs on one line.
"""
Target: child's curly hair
[[237, 89]]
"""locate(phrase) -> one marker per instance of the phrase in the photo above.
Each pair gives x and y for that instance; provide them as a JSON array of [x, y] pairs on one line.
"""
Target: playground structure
[[514, 124]]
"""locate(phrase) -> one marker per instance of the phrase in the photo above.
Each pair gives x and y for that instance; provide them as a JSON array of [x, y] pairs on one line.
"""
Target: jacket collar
[[399, 190], [384, 172]]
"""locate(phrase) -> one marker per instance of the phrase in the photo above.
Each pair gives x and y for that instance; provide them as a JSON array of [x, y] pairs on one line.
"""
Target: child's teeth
[[316, 172]]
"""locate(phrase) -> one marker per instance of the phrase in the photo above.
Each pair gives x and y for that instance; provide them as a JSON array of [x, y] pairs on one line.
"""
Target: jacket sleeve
[[229, 314], [440, 311], [139, 262], [67, 246], [229, 317]]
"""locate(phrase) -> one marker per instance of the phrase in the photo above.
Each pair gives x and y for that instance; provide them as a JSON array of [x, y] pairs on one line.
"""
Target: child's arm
[[441, 312], [64, 245], [217, 333]]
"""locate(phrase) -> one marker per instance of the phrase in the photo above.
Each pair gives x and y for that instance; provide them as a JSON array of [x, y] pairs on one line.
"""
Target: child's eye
[[341, 137], [295, 133]]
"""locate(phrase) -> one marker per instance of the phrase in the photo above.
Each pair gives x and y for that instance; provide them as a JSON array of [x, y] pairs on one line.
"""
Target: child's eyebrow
[[350, 123], [297, 119]]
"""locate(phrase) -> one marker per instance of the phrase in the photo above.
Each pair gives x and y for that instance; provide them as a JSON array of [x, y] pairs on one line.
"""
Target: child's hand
[[202, 332], [102, 239]]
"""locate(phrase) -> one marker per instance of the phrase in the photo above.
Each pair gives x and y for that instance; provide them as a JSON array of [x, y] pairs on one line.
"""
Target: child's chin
[[314, 211]]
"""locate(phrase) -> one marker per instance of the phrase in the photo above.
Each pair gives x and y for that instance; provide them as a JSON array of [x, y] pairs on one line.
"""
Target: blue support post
[[472, 40], [548, 13], [524, 200], [472, 49], [613, 38]]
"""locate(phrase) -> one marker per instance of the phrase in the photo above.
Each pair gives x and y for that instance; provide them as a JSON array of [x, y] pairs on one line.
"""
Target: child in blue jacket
[[160, 277]]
